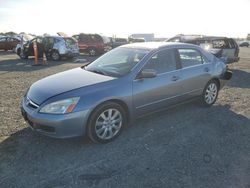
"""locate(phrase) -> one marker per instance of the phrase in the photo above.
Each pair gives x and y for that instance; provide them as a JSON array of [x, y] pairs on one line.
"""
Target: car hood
[[63, 82]]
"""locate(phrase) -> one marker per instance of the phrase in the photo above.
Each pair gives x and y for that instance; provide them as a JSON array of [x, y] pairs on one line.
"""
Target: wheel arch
[[216, 80]]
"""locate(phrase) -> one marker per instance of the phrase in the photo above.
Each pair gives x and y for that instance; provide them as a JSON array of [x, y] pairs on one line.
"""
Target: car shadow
[[180, 143], [240, 79]]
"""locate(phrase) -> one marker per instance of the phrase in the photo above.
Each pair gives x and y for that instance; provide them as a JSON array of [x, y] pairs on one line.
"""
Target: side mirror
[[147, 73]]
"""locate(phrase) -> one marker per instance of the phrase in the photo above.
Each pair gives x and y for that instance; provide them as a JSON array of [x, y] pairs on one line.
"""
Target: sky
[[164, 18]]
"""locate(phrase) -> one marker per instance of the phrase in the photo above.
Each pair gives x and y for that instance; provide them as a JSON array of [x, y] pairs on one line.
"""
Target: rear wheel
[[210, 93], [106, 123]]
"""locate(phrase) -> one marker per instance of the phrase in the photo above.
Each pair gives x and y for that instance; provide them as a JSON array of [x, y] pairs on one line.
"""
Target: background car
[[244, 44], [8, 43], [54, 47], [93, 44], [115, 42], [135, 40], [100, 99], [221, 47]]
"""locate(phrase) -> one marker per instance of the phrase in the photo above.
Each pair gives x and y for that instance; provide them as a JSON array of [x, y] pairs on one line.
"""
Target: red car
[[93, 44], [8, 43]]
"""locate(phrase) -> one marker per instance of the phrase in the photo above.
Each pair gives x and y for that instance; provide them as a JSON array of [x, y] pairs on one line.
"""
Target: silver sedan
[[99, 99]]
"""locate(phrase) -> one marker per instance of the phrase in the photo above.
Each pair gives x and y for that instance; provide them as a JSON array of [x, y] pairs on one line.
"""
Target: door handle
[[175, 78], [206, 69]]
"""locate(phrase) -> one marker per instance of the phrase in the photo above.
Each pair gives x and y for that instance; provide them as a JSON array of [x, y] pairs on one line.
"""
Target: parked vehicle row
[[95, 44], [8, 43], [100, 99], [221, 47]]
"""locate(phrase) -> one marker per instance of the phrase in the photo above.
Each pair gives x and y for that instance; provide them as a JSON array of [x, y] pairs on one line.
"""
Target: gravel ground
[[186, 146]]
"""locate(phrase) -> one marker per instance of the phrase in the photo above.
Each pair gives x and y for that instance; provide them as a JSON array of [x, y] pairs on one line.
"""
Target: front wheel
[[92, 52], [55, 55], [106, 123], [22, 54], [210, 93]]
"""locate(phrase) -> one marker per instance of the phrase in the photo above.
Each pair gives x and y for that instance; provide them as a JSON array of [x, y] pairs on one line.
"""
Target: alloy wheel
[[211, 93], [108, 124]]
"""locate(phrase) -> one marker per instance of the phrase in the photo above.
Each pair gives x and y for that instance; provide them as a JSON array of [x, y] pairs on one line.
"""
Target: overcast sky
[[123, 17]]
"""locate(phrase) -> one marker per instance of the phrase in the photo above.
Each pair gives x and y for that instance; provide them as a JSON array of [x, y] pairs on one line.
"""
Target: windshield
[[117, 62]]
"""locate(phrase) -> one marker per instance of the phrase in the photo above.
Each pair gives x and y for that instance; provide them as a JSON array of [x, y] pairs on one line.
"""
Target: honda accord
[[99, 99]]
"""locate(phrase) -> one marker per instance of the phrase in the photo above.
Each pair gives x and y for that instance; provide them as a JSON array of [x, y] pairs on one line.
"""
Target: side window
[[190, 57], [163, 61]]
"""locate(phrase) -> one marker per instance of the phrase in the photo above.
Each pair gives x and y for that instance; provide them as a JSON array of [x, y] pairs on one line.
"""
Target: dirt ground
[[186, 146]]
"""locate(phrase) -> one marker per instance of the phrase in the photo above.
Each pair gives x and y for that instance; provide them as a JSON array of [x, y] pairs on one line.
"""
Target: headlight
[[60, 107]]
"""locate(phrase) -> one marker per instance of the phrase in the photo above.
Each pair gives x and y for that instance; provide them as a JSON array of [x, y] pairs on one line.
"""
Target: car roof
[[156, 45]]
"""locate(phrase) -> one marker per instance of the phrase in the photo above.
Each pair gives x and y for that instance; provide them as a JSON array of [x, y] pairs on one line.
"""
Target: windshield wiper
[[98, 72]]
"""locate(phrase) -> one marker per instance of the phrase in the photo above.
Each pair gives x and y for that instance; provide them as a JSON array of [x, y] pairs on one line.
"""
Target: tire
[[18, 51], [210, 93], [22, 55], [106, 123], [92, 51], [55, 56]]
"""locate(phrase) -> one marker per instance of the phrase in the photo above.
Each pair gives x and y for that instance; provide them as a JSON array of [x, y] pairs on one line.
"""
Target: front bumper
[[53, 125]]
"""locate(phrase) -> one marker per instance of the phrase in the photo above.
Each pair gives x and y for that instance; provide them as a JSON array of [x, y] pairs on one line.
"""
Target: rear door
[[195, 71], [150, 94]]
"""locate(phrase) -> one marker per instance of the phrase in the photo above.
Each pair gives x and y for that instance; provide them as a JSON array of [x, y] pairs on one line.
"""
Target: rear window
[[220, 43]]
